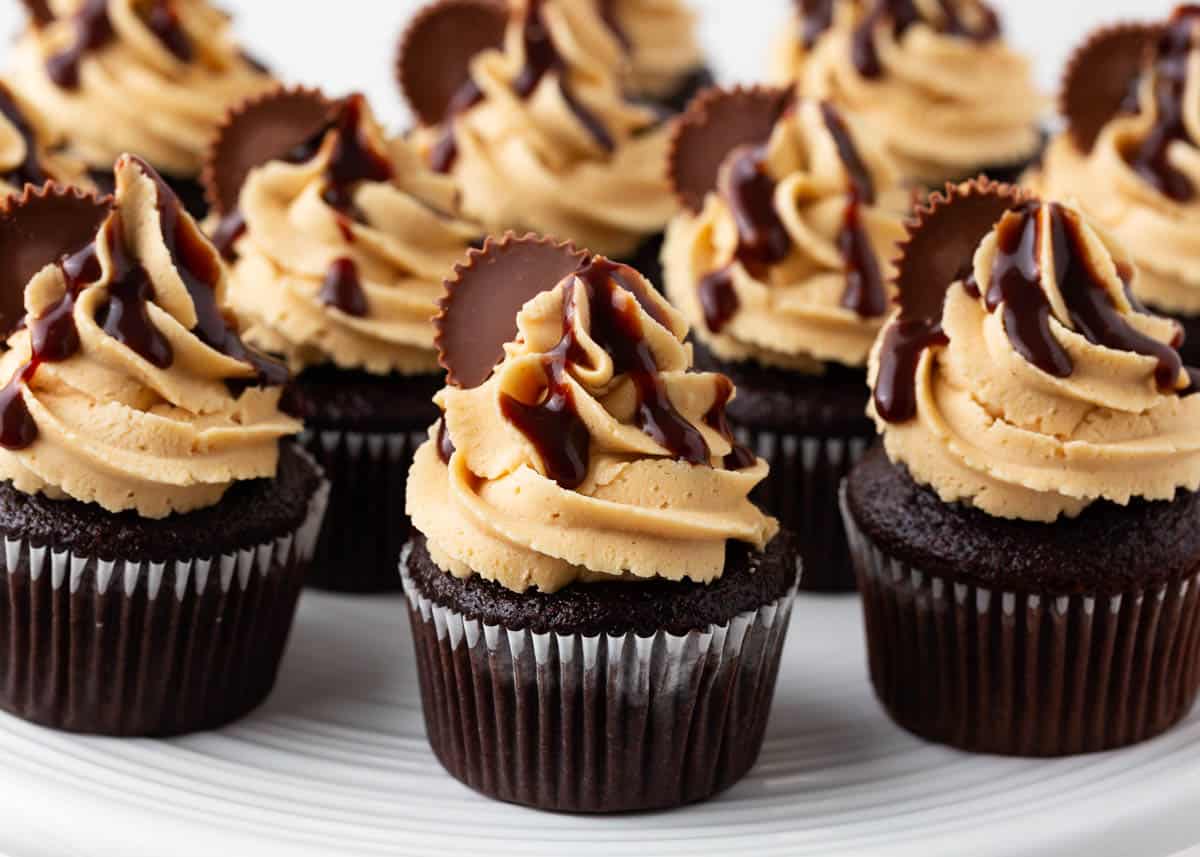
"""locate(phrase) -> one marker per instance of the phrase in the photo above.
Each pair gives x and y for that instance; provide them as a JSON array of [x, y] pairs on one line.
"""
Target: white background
[[346, 45]]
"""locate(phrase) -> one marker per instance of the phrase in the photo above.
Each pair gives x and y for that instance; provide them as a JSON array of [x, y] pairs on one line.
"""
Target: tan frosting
[[54, 163], [530, 163], [1162, 234], [134, 94], [994, 431], [791, 314], [946, 105], [114, 429], [409, 241], [638, 514], [664, 49]]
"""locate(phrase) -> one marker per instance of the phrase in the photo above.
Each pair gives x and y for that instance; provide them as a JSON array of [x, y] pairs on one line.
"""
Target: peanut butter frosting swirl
[[330, 271], [1044, 389], [29, 151], [1140, 179], [128, 388], [833, 202], [548, 140], [591, 453], [659, 37], [932, 77], [148, 76]]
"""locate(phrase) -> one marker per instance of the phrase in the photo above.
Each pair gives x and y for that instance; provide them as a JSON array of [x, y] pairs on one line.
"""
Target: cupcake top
[[933, 78], [1131, 152], [584, 448], [526, 107], [659, 41], [339, 236], [29, 151], [782, 253], [149, 76], [126, 384], [1018, 376]]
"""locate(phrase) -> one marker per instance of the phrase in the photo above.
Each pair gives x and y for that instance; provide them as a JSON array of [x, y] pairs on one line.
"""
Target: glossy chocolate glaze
[[896, 384], [740, 457], [343, 289], [718, 298]]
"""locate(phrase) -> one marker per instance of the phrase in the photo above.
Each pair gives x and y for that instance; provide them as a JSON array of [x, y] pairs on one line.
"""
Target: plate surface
[[336, 763]]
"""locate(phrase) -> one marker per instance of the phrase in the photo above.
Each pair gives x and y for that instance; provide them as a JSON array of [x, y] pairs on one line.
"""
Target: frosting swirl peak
[[1041, 387], [592, 452]]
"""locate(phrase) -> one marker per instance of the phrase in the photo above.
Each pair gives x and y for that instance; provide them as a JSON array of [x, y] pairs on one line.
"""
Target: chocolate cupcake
[[116, 76], [339, 240], [157, 523], [525, 104], [781, 262], [935, 81], [1026, 540], [598, 610], [1131, 155]]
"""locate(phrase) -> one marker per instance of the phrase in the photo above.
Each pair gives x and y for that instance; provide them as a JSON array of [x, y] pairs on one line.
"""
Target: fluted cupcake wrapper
[[596, 724], [366, 526], [1023, 674], [127, 648], [802, 491]]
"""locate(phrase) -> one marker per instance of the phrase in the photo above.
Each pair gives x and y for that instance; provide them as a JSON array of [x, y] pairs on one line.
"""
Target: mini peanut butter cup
[[479, 310], [259, 130], [433, 61], [715, 123], [39, 228], [943, 234], [1101, 76]]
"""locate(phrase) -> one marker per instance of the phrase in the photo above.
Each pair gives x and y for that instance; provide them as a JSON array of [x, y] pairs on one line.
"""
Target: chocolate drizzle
[[740, 457], [445, 152], [343, 290], [445, 446], [124, 315], [816, 17], [353, 160], [1170, 75], [608, 14], [30, 170], [902, 14], [94, 30], [903, 344], [718, 298], [228, 231], [554, 426]]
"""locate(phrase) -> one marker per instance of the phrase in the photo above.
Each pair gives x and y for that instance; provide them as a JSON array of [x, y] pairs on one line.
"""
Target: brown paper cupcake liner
[[802, 491], [573, 723], [366, 526], [1022, 674], [128, 648]]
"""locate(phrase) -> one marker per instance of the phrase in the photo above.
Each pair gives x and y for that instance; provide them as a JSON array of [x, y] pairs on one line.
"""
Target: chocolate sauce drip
[[201, 273], [860, 177], [162, 20], [229, 229], [740, 457], [865, 292], [903, 14], [445, 446], [343, 290], [30, 170], [353, 160], [124, 316], [718, 299], [1016, 276], [93, 30], [763, 238], [1090, 306], [1170, 83], [896, 384], [816, 17], [445, 152], [553, 425]]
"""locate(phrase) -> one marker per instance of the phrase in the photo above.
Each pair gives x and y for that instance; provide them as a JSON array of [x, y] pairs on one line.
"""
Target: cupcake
[[781, 263], [30, 153], [113, 76], [935, 81], [156, 518], [597, 608], [339, 239], [1026, 536], [1131, 155], [525, 106]]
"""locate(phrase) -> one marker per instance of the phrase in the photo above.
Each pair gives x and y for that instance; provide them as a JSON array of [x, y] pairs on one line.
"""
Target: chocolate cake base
[[189, 190], [118, 625], [811, 429], [1025, 638], [577, 718], [364, 430]]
